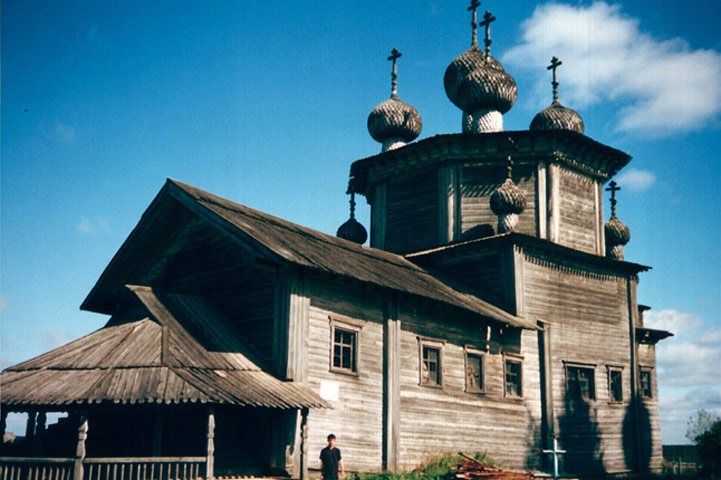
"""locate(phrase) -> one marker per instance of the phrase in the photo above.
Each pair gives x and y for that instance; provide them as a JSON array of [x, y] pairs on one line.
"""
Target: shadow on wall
[[640, 461], [580, 437]]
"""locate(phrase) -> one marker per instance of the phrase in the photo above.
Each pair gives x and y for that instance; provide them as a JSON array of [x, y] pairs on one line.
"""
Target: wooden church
[[493, 311]]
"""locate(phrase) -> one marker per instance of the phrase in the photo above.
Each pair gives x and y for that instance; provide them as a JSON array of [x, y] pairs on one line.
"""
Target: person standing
[[331, 460]]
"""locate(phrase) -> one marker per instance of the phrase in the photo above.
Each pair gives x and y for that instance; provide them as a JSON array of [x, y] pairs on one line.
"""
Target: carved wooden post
[[80, 450], [30, 426], [304, 444], [39, 431], [3, 423], [210, 458], [158, 433]]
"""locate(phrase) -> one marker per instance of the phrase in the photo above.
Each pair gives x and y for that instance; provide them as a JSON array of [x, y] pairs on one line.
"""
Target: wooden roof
[[148, 355], [281, 241]]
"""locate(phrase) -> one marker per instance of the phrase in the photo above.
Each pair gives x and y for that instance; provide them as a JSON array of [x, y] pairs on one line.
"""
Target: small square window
[[474, 372], [430, 365], [513, 378], [581, 384], [645, 380], [345, 349], [615, 385]]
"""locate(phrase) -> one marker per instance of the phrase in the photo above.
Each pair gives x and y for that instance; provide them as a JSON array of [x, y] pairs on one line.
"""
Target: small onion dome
[[473, 84], [617, 233], [394, 119], [508, 198], [557, 117], [353, 231]]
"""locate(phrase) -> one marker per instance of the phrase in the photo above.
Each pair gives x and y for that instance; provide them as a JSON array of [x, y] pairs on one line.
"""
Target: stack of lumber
[[476, 470]]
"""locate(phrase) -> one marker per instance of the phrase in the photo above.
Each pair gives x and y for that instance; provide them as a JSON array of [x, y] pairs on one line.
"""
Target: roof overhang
[[566, 147], [651, 336]]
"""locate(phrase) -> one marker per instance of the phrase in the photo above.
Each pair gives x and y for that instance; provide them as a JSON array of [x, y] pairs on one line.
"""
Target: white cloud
[[660, 86], [674, 321], [96, 226], [636, 180]]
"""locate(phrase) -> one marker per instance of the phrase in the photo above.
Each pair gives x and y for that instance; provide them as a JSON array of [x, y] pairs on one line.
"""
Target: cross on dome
[[555, 63], [613, 188], [472, 8], [395, 55], [512, 147], [487, 19]]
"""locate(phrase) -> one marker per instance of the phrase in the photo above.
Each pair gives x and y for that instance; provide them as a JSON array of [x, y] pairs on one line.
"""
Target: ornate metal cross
[[472, 8], [395, 55], [555, 63], [487, 19], [613, 188]]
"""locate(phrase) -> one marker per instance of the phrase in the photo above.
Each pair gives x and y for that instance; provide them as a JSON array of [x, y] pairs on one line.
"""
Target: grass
[[434, 467]]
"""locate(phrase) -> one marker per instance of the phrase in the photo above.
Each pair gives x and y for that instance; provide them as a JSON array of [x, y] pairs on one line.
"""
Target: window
[[581, 385], [615, 384], [513, 377], [645, 380], [474, 372], [345, 350], [430, 365]]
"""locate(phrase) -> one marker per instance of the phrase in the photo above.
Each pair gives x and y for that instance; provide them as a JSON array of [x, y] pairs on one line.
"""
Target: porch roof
[[148, 355]]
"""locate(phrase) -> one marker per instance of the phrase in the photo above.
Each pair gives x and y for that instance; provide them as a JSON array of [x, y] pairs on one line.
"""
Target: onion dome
[[394, 122], [556, 116], [617, 234], [508, 200], [352, 229], [477, 83]]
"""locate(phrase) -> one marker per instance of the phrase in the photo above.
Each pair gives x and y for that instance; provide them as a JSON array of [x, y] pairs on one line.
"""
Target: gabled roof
[[148, 356], [282, 241]]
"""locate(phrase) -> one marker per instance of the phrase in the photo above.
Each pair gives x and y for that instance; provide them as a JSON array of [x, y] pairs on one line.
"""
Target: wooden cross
[[512, 147], [395, 55], [487, 19], [613, 188], [555, 63], [472, 8]]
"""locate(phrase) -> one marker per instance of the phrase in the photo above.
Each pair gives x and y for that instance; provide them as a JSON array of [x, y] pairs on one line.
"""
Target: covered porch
[[147, 400]]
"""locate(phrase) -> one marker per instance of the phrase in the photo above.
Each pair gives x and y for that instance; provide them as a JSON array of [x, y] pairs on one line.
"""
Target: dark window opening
[[513, 378], [431, 366], [344, 349], [645, 378], [474, 373], [615, 385], [581, 383]]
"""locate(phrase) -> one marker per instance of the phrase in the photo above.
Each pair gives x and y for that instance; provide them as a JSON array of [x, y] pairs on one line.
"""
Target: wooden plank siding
[[589, 313], [449, 419], [357, 417], [412, 209], [578, 212], [478, 181], [650, 406]]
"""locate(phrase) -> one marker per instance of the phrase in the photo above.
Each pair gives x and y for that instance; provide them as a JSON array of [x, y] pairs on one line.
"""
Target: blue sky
[[266, 103]]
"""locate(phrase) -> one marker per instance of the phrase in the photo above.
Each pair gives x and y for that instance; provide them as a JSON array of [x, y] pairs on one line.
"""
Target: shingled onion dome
[[477, 83], [508, 200], [352, 229], [556, 116], [394, 123], [616, 232]]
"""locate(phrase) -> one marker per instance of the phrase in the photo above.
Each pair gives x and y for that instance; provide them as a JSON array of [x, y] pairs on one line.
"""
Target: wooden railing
[[28, 468], [112, 468]]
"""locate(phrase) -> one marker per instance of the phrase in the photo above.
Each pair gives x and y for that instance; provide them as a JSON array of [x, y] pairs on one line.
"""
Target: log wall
[[411, 214], [578, 213]]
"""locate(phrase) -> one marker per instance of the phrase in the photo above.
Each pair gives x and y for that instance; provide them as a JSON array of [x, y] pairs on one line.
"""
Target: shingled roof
[[318, 251], [148, 356]]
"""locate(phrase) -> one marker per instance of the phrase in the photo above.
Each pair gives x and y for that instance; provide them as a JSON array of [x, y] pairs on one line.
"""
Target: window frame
[[611, 369], [641, 370], [581, 366], [434, 344], [470, 351], [350, 326], [508, 358]]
